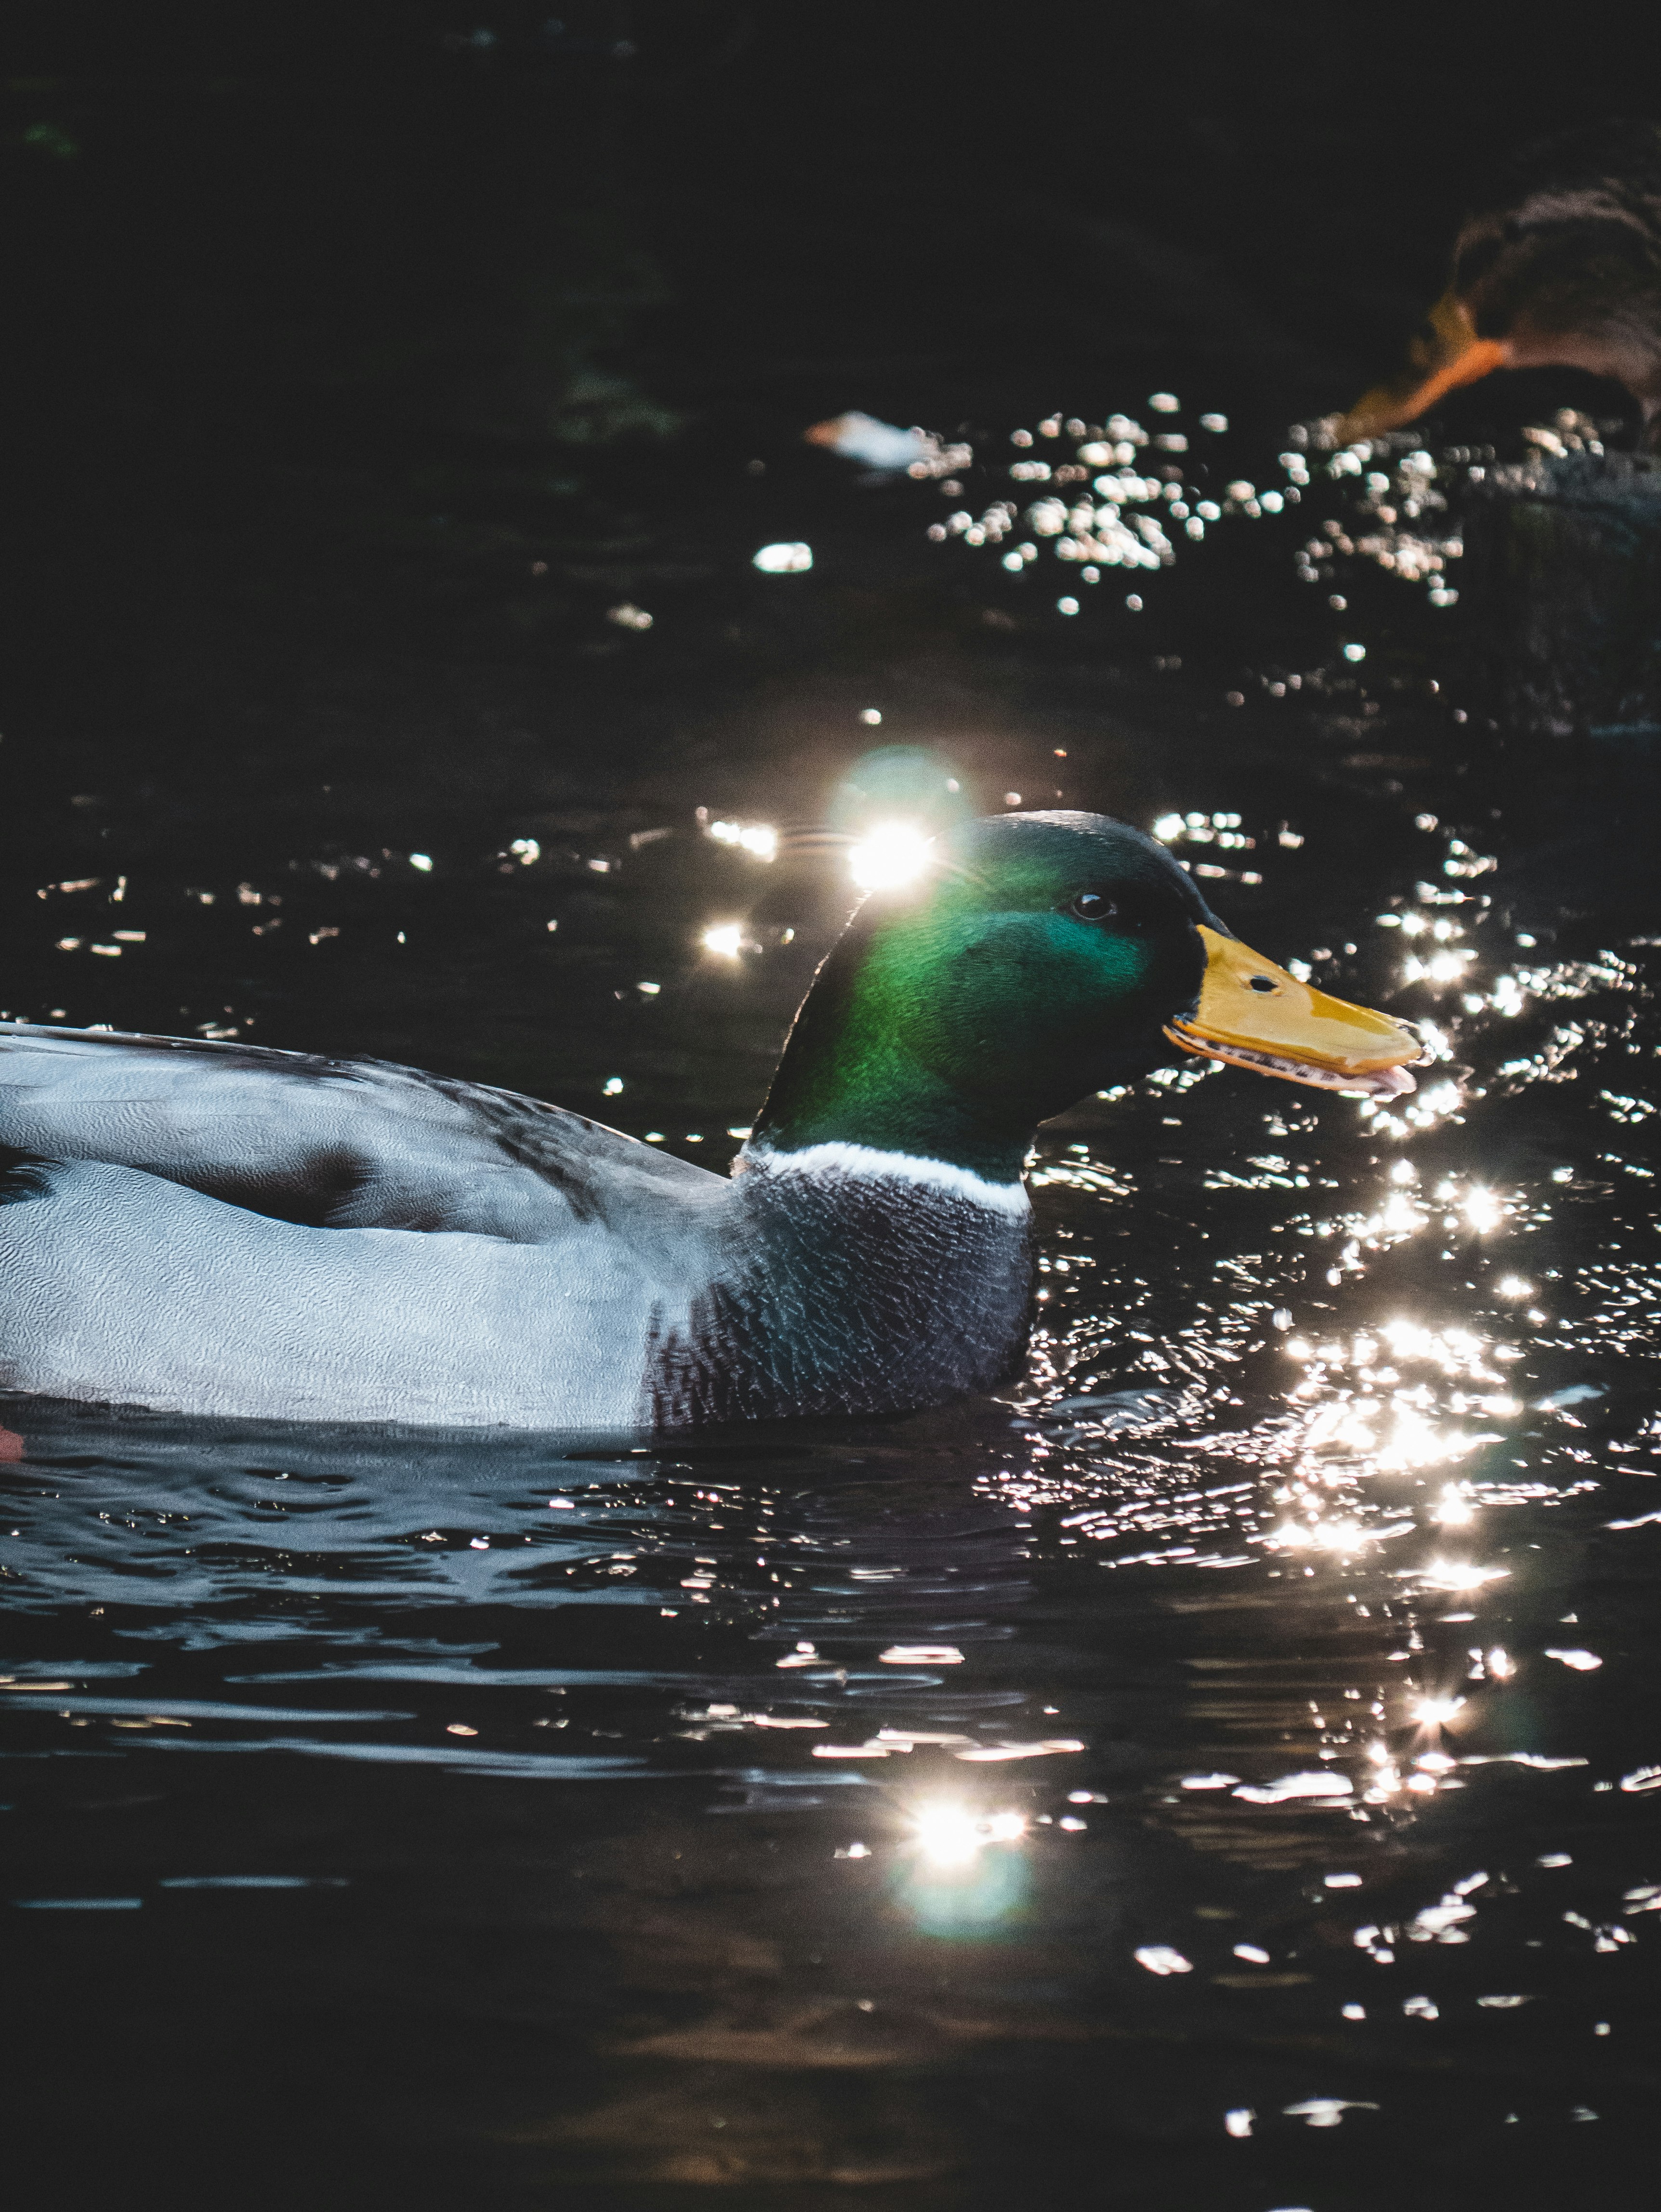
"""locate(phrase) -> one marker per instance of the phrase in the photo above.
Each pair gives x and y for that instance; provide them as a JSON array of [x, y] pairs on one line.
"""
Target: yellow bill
[[1449, 356], [1255, 1015]]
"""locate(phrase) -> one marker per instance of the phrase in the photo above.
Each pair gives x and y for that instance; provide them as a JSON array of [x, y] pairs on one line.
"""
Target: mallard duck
[[1558, 264], [210, 1228]]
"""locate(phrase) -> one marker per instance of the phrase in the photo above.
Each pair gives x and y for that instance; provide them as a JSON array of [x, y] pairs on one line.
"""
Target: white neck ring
[[863, 1162]]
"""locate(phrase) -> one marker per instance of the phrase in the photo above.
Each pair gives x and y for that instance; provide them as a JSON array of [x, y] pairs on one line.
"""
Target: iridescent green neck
[[854, 1089], [948, 1033]]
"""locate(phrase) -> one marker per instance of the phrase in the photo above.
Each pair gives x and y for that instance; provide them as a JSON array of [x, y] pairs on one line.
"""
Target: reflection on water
[[1221, 1773], [1242, 1691]]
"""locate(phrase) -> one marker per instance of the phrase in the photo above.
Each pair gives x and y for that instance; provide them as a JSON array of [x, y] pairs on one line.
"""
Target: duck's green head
[[1036, 957]]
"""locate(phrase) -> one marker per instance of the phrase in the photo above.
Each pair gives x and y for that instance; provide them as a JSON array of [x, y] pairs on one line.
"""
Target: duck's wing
[[346, 1144]]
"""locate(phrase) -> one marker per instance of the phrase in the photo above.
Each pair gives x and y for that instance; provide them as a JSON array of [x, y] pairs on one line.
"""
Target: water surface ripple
[[1222, 1772]]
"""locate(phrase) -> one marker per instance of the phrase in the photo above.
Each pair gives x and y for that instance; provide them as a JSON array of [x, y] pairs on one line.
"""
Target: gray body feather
[[216, 1229]]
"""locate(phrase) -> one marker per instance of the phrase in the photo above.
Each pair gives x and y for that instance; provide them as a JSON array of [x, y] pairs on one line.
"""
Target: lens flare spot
[[947, 1834], [892, 854]]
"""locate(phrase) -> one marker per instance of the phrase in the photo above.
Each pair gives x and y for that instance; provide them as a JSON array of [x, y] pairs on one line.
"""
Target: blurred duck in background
[[1558, 265]]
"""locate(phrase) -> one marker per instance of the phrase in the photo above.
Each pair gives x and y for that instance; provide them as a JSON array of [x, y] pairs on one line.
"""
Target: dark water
[[1220, 1773]]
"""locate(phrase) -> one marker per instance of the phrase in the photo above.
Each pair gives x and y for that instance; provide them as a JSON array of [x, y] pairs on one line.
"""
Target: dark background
[[241, 208], [276, 275]]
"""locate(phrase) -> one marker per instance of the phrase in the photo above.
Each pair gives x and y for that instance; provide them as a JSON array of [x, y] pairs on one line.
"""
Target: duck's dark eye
[[1092, 906]]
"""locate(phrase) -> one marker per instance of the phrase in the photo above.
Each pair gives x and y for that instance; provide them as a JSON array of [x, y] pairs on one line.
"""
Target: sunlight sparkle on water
[[790, 559], [1161, 1958], [1325, 1535], [1436, 1712], [1447, 1575], [759, 838]]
